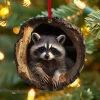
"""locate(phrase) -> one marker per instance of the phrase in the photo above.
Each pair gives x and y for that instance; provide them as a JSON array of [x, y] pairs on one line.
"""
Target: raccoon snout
[[46, 56]]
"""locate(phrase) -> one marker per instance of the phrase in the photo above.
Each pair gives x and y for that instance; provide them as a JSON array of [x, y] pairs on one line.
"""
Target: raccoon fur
[[49, 53]]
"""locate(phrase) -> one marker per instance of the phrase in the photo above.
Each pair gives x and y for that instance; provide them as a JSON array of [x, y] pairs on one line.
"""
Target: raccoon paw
[[62, 78], [44, 77], [55, 82], [58, 80]]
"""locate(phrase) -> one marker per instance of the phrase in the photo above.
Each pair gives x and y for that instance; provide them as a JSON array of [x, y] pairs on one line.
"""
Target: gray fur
[[51, 67]]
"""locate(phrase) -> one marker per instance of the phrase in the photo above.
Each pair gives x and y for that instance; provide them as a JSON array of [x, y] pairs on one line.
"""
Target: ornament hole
[[50, 29]]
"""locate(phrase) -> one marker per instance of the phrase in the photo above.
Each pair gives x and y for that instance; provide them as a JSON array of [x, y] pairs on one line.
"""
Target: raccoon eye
[[41, 49], [55, 52]]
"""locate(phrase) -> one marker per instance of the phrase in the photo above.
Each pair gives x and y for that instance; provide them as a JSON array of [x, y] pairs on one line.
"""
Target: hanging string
[[49, 9]]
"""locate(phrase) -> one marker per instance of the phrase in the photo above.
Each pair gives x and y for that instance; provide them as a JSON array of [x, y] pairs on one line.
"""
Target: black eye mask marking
[[39, 50], [55, 51]]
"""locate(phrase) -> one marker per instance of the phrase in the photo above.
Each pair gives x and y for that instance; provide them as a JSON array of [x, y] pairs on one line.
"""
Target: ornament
[[3, 23], [2, 56], [86, 31], [16, 30], [4, 10], [50, 52], [26, 3], [31, 94]]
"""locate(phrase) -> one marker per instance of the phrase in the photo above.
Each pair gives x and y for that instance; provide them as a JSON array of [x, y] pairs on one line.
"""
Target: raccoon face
[[47, 50]]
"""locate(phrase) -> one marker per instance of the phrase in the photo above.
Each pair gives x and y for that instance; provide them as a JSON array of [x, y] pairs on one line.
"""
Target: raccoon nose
[[47, 56]]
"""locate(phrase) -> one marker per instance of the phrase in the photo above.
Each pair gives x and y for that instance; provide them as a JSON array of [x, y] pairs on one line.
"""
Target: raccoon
[[48, 51]]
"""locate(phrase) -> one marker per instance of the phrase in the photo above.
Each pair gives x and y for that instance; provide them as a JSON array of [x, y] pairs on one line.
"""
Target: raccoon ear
[[35, 37], [61, 39]]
